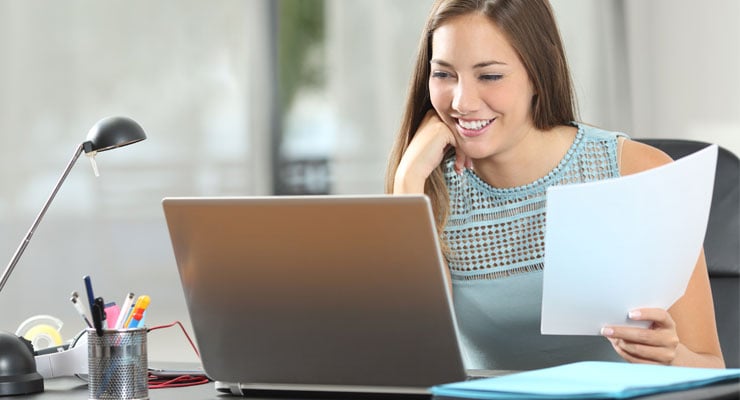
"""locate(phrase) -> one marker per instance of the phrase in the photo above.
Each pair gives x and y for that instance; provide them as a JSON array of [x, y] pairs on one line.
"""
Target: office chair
[[721, 243]]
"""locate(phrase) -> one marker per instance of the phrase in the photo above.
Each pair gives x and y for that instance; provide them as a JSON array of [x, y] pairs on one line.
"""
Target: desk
[[73, 388]]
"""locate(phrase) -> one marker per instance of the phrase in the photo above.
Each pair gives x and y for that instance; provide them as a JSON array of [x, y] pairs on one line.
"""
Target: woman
[[489, 125]]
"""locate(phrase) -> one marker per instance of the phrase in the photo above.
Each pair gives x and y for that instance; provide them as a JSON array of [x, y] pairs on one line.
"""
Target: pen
[[88, 287], [75, 301], [125, 310], [141, 304], [98, 315]]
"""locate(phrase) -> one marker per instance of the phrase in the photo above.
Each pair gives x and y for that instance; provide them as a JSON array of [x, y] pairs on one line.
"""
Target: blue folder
[[588, 379]]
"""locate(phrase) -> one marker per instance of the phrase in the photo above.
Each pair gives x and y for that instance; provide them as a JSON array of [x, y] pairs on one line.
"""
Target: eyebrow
[[479, 65]]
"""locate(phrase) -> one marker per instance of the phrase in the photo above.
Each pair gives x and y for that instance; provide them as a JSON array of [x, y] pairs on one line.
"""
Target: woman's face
[[479, 87]]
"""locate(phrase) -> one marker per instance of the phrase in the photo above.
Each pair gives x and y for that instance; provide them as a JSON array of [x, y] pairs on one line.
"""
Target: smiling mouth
[[474, 125]]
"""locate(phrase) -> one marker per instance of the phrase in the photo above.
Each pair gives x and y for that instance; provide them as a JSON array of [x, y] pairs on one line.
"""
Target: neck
[[532, 157]]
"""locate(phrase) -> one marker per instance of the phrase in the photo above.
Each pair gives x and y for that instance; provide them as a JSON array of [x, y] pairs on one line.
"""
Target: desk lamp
[[18, 373]]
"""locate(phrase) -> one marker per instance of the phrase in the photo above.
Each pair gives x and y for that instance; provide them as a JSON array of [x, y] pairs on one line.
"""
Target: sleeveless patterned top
[[496, 243]]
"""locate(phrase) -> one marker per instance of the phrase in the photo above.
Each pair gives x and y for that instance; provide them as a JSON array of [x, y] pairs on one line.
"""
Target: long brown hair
[[533, 33]]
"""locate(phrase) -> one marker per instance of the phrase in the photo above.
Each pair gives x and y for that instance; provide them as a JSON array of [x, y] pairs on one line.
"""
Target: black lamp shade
[[113, 132], [17, 367]]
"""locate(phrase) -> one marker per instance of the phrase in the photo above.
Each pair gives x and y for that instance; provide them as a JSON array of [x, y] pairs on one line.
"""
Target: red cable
[[160, 382], [183, 331]]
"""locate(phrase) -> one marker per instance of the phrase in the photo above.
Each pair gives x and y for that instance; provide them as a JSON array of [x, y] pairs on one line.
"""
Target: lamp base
[[18, 367]]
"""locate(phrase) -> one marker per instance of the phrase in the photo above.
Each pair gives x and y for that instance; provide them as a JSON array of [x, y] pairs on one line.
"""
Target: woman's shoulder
[[595, 133], [633, 156], [637, 157]]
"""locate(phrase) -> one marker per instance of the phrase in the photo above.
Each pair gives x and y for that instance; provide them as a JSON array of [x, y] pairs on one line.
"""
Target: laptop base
[[236, 389]]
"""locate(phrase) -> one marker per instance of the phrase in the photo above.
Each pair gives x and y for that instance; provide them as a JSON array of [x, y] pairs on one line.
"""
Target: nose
[[465, 100]]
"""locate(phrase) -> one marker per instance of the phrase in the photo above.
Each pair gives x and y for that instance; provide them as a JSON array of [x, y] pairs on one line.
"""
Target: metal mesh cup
[[117, 364]]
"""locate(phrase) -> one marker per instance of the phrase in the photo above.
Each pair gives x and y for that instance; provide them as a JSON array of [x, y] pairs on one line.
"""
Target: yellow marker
[[141, 304]]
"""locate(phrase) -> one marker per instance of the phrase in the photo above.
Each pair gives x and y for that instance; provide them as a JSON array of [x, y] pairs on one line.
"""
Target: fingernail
[[634, 314], [606, 331]]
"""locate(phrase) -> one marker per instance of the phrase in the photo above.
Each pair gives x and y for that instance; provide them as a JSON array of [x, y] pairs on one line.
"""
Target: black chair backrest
[[722, 241]]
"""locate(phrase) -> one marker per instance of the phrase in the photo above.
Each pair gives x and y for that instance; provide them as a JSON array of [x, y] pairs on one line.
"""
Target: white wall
[[684, 63], [371, 49], [184, 70], [657, 68]]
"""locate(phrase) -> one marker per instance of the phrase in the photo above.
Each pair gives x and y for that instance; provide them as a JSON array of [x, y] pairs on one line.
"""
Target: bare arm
[[686, 334], [424, 154]]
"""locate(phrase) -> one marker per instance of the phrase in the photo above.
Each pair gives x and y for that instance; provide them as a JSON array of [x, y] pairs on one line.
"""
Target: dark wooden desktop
[[73, 388]]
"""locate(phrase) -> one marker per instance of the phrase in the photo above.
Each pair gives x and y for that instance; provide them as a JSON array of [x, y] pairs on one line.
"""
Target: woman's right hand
[[425, 153]]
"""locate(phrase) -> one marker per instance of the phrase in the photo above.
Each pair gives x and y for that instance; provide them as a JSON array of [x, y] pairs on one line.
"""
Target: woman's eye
[[491, 77], [440, 74]]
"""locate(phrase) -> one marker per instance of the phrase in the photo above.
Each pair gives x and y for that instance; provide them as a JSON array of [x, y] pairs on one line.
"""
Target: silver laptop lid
[[316, 291]]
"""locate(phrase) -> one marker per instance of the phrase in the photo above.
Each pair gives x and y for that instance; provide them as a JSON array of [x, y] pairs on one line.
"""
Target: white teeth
[[474, 125]]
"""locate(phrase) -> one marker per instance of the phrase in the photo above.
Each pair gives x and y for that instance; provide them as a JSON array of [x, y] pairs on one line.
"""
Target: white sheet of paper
[[619, 244]]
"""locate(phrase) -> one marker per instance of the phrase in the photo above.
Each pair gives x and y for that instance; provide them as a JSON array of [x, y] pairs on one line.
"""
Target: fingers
[[656, 344], [462, 161], [650, 337], [661, 332], [630, 357], [659, 316], [432, 128], [432, 124], [641, 353]]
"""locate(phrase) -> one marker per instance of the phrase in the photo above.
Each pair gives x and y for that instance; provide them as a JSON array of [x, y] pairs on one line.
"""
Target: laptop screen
[[316, 291]]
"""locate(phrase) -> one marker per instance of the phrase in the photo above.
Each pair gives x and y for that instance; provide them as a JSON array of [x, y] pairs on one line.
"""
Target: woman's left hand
[[657, 344]]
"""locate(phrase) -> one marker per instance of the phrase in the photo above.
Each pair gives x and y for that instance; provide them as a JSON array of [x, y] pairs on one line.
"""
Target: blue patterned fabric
[[496, 243]]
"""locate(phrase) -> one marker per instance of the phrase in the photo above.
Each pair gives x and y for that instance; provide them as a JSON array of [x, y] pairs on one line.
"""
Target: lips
[[473, 127]]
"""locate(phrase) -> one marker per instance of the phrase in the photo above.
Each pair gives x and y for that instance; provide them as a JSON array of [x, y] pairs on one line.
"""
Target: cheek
[[525, 99], [439, 96], [508, 98]]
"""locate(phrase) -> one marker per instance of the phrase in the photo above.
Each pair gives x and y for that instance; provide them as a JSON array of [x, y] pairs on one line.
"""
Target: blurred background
[[263, 97]]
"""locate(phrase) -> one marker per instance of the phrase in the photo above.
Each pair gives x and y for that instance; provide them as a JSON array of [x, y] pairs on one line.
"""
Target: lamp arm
[[27, 238]]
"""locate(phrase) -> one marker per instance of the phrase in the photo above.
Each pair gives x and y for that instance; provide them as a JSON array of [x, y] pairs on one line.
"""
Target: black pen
[[98, 315]]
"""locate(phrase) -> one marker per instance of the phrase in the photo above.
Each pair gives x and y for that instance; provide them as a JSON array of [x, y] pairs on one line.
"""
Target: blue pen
[[90, 295]]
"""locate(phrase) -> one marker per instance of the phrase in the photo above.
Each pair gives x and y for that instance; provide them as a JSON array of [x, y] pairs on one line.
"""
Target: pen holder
[[117, 364]]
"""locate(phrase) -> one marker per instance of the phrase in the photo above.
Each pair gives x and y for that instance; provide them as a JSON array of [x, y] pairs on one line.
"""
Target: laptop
[[316, 293]]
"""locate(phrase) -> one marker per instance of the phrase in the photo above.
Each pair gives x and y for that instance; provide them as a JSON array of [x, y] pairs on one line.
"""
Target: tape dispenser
[[54, 358]]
